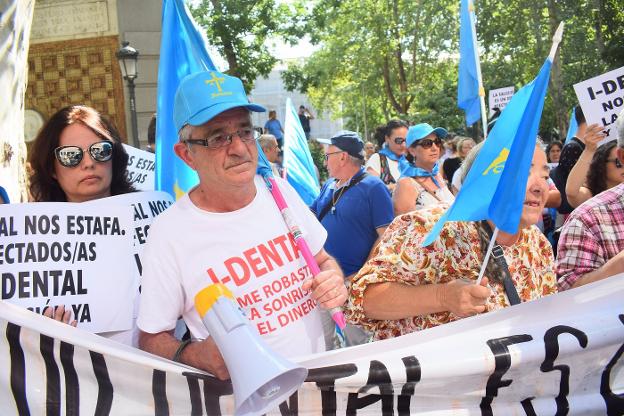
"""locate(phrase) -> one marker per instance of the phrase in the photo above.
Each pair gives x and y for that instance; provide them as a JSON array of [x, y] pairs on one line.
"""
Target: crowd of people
[[365, 229]]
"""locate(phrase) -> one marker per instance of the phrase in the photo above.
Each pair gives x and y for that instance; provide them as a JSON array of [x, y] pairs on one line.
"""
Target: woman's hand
[[463, 297], [593, 136], [59, 313]]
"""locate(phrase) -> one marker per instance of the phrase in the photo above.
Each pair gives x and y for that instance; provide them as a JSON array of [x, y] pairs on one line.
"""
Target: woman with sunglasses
[[77, 156], [596, 170], [385, 163], [421, 183]]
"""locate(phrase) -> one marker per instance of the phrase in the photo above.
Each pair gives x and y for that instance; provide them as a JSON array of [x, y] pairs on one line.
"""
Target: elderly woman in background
[[450, 165], [421, 184], [385, 163], [77, 156], [406, 287], [596, 170]]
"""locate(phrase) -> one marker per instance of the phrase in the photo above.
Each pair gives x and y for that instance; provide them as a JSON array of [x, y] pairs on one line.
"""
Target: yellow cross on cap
[[215, 80]]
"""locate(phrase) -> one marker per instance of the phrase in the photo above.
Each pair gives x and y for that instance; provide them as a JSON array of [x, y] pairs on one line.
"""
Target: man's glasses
[[220, 140], [399, 140], [617, 162], [427, 143], [71, 156], [327, 155]]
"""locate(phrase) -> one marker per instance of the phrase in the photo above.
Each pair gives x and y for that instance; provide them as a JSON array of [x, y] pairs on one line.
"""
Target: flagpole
[[478, 62], [487, 255]]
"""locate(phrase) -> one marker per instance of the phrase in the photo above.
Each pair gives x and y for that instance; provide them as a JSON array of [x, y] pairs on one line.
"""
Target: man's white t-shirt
[[250, 251], [375, 164]]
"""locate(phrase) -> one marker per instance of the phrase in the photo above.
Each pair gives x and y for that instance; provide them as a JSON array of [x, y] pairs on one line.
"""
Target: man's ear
[[184, 152]]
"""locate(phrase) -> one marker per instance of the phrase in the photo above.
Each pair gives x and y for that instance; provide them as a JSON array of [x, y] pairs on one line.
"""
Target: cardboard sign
[[499, 98], [145, 207], [141, 168], [77, 255], [601, 99]]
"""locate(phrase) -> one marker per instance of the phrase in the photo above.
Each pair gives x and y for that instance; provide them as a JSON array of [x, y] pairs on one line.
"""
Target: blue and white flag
[[182, 52], [469, 86], [572, 126], [298, 163], [495, 186]]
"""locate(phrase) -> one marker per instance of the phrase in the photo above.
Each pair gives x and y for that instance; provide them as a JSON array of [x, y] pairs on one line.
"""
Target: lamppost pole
[[133, 113], [128, 56]]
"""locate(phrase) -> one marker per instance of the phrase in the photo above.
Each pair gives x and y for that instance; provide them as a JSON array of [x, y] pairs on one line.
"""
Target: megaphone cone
[[261, 379]]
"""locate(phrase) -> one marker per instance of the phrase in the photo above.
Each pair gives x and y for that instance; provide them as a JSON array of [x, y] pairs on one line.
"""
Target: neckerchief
[[409, 170], [390, 155]]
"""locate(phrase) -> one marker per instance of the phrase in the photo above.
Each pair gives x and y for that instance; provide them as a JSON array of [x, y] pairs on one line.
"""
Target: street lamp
[[127, 56]]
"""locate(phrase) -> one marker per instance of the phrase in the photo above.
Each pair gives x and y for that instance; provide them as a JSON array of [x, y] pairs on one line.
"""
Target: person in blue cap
[[228, 230], [421, 183], [354, 207]]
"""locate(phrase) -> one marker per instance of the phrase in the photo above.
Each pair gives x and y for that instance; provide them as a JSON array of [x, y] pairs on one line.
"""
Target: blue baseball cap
[[346, 140], [204, 95], [422, 130]]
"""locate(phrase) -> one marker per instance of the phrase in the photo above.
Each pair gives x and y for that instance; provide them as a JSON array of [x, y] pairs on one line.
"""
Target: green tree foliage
[[381, 59], [516, 38], [239, 29]]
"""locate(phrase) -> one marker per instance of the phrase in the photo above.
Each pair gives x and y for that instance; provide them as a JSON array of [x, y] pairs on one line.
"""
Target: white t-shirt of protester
[[375, 164], [250, 251]]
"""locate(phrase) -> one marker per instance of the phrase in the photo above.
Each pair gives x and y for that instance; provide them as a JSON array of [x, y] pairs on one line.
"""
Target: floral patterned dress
[[455, 254]]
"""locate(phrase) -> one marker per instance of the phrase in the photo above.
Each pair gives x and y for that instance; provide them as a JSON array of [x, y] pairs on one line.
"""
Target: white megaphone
[[261, 379]]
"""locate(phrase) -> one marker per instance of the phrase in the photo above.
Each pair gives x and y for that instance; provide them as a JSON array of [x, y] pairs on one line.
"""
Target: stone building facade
[[72, 60]]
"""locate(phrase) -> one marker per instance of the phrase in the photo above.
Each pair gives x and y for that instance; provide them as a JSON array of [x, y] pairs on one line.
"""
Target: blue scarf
[[409, 170], [390, 155]]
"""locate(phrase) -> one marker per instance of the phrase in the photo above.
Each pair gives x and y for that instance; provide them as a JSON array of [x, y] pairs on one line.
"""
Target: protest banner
[[602, 98], [499, 98], [69, 254], [141, 168], [558, 355]]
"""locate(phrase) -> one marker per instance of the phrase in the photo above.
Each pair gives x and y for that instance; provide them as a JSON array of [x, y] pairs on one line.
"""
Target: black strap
[[385, 175], [330, 205], [499, 257]]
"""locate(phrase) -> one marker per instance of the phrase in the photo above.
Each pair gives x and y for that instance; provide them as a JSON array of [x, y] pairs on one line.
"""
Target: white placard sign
[[601, 99], [80, 256], [499, 98], [145, 207], [141, 168]]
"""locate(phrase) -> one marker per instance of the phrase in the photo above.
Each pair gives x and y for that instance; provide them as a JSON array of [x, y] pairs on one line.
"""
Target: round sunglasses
[[71, 156]]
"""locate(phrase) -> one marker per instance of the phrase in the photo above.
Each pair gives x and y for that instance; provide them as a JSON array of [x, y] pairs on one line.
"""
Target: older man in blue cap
[[354, 207], [228, 230]]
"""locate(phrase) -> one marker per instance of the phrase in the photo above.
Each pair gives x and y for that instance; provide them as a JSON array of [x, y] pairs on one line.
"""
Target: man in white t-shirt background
[[228, 230]]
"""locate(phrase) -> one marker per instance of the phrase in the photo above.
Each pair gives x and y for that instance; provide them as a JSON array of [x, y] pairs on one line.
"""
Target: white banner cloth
[[557, 355]]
